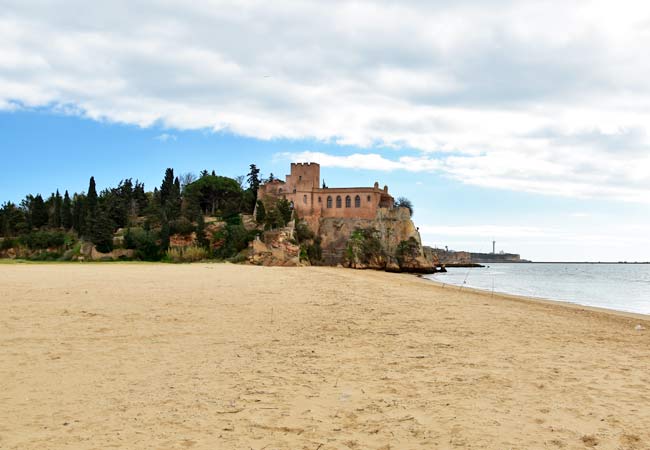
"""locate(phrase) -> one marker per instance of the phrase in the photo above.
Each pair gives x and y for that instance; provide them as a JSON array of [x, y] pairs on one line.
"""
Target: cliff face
[[389, 231]]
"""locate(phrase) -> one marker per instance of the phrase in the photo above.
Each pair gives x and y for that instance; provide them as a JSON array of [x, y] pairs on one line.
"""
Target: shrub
[[181, 226], [40, 240], [186, 254], [407, 250], [7, 243], [364, 245], [145, 244]]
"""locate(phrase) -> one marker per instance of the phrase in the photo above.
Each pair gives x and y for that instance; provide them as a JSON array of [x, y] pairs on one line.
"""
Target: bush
[[364, 245], [186, 254], [145, 244], [41, 240], [181, 226], [7, 243], [407, 250], [232, 239]]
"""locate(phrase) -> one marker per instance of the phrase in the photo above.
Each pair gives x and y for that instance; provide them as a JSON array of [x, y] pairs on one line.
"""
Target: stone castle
[[312, 202], [335, 214]]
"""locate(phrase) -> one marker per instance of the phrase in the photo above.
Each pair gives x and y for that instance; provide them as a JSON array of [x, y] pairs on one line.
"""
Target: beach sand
[[219, 356]]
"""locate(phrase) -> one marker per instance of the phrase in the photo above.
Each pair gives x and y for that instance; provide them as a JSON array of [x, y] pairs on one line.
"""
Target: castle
[[311, 201]]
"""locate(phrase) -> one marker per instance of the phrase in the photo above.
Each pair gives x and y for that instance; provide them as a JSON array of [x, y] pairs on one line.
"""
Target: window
[[368, 198], [348, 201], [338, 201], [294, 191], [319, 200], [304, 199], [280, 190], [329, 201], [300, 178], [357, 202]]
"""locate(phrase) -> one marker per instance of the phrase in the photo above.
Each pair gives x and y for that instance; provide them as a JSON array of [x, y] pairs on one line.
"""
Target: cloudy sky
[[523, 121]]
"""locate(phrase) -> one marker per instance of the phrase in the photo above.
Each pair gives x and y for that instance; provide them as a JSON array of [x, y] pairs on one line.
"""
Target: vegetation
[[407, 250], [310, 244], [403, 202], [52, 227], [364, 246]]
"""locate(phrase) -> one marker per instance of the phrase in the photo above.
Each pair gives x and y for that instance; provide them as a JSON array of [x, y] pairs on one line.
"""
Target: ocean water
[[622, 287]]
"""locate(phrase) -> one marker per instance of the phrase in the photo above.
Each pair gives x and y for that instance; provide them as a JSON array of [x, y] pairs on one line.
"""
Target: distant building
[[302, 187]]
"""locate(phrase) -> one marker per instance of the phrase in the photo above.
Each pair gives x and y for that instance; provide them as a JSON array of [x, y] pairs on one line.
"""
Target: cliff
[[390, 241]]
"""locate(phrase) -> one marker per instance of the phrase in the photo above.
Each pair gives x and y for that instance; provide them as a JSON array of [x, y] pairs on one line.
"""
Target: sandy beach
[[220, 356]]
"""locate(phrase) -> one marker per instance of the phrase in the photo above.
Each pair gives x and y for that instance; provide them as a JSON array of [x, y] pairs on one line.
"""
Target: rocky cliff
[[390, 241]]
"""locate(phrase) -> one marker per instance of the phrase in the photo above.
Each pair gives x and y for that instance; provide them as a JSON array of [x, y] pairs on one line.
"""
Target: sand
[[218, 356]]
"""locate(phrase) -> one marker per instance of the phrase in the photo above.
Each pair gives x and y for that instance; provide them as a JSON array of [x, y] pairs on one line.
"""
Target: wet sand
[[218, 356]]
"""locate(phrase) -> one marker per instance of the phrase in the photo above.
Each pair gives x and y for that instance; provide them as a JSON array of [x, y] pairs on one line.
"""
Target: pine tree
[[58, 204], [102, 234], [90, 209], [66, 212], [39, 216]]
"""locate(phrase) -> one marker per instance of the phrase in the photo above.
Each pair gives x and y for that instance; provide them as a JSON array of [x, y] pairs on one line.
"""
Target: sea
[[621, 287]]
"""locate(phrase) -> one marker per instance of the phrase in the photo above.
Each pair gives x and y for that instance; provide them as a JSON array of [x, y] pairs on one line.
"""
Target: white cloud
[[166, 137], [546, 97]]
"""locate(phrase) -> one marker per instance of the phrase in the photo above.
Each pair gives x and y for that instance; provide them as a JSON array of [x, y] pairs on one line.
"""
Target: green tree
[[260, 212], [213, 195], [90, 209], [66, 211], [102, 235], [58, 205], [38, 212]]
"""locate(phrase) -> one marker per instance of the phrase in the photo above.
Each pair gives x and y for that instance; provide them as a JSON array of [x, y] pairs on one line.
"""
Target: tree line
[[177, 206]]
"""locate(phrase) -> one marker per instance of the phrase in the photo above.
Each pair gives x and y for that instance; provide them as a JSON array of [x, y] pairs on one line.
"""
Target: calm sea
[[623, 287]]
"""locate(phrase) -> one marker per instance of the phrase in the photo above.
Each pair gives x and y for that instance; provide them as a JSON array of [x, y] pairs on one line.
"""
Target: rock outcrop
[[342, 242], [275, 248]]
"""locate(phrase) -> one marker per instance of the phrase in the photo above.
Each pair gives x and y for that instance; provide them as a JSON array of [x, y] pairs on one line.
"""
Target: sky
[[524, 122]]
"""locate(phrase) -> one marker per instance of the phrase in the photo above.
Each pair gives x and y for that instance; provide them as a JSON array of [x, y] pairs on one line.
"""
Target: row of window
[[348, 201]]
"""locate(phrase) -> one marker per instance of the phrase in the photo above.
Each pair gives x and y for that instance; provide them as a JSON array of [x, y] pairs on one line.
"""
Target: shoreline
[[543, 300]]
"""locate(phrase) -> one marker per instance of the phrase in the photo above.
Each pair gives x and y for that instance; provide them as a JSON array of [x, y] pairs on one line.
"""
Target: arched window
[[357, 202], [368, 198], [280, 191], [338, 201], [329, 201], [319, 200], [304, 199], [348, 201]]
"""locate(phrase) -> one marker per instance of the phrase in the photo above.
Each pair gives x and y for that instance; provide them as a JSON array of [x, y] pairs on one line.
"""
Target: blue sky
[[499, 120]]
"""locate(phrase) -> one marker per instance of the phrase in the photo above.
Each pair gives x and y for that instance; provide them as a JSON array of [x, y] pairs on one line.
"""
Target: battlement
[[305, 164]]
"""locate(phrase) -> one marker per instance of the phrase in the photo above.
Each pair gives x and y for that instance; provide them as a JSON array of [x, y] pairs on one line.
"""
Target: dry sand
[[217, 356]]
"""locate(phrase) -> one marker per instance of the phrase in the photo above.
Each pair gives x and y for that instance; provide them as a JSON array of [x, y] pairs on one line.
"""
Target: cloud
[[488, 93], [165, 137]]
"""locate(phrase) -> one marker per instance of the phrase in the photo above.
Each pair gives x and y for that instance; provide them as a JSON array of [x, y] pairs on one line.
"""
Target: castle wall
[[310, 201]]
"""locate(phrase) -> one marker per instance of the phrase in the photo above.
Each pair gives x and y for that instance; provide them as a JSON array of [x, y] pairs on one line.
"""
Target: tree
[[403, 202], [250, 195], [253, 179], [90, 206], [79, 213], [214, 194], [260, 212], [38, 211], [12, 220], [186, 179], [66, 211], [102, 234], [55, 205], [170, 196]]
